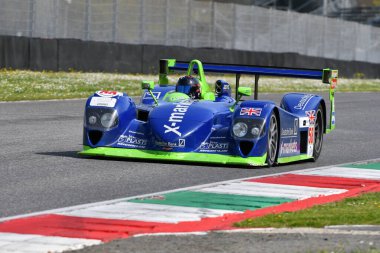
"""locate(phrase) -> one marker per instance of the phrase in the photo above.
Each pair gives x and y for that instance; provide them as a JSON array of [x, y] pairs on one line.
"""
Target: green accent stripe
[[213, 200], [173, 156], [374, 166], [293, 158]]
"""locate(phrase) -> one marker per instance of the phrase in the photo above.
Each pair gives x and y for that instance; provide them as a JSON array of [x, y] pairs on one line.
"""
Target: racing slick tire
[[273, 137], [318, 134]]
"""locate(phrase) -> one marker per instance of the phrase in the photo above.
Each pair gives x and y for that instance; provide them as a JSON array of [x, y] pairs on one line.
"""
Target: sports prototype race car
[[190, 122]]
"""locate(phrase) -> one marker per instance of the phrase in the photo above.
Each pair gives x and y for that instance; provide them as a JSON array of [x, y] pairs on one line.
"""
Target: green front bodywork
[[175, 97], [292, 158], [173, 156]]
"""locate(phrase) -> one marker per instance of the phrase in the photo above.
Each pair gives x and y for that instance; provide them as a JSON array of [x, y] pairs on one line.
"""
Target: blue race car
[[189, 122]]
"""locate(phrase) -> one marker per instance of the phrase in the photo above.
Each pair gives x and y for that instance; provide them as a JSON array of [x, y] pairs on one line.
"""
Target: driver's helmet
[[190, 86]]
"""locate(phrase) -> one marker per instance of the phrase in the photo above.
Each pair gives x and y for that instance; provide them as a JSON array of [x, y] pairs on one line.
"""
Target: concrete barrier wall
[[233, 25], [90, 56]]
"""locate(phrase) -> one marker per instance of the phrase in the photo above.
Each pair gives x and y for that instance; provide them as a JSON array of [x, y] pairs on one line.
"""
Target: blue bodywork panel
[[197, 125]]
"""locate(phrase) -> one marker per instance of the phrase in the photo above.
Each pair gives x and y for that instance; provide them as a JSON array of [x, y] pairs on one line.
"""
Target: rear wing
[[327, 75]]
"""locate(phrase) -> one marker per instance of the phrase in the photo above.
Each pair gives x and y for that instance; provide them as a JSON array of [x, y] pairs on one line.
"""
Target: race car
[[191, 122]]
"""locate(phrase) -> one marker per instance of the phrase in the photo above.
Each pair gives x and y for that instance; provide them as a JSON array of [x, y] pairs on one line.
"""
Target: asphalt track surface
[[40, 168], [278, 241]]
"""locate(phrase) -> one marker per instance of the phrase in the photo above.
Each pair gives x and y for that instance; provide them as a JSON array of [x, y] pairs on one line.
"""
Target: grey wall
[[67, 54], [222, 24]]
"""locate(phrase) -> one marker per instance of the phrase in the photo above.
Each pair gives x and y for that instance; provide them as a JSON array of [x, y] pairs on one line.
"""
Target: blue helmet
[[190, 86]]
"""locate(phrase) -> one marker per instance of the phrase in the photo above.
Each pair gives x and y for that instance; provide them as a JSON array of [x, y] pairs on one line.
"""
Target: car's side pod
[[301, 103]]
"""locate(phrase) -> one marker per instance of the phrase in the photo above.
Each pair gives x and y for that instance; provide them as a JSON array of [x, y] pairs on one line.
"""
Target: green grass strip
[[373, 166], [213, 200], [363, 210], [38, 85]]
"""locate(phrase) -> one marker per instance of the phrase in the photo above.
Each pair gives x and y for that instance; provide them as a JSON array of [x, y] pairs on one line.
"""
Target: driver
[[189, 85]]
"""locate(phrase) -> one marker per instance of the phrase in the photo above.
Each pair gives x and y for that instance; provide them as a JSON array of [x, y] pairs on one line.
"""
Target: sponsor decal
[[134, 132], [181, 143], [289, 148], [311, 135], [131, 141], [250, 111], [213, 146], [303, 102], [290, 131], [103, 101], [109, 93], [217, 137], [226, 87], [304, 122], [148, 96], [176, 117], [334, 82], [287, 132], [310, 147]]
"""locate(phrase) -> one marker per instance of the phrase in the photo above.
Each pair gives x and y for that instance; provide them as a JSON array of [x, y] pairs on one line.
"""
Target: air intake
[[95, 136], [245, 147]]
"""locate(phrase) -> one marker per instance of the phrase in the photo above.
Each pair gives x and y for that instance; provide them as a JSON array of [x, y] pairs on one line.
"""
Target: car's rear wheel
[[318, 134], [272, 146]]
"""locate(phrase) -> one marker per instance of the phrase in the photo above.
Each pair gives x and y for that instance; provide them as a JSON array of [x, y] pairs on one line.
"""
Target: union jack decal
[[311, 115], [250, 111]]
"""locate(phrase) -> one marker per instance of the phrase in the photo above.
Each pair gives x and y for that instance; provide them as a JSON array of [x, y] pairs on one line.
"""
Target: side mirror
[[147, 85], [244, 91]]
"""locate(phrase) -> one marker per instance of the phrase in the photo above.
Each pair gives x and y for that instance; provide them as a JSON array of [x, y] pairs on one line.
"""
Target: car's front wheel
[[272, 146]]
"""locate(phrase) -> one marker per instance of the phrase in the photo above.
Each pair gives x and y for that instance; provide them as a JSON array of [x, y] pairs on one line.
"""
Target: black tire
[[318, 134], [272, 144]]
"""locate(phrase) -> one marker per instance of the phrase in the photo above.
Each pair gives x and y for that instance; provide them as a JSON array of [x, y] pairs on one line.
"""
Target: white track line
[[344, 172], [271, 190], [12, 242], [147, 212], [326, 231]]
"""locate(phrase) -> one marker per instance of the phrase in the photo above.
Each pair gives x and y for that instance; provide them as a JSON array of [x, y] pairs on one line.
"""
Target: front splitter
[[190, 157]]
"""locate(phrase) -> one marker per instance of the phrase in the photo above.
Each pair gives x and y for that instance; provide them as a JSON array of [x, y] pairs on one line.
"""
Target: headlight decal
[[240, 129], [108, 119], [254, 128], [92, 120], [101, 118]]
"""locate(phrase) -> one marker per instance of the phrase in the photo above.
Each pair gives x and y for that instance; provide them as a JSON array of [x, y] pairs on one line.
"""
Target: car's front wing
[[191, 157]]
